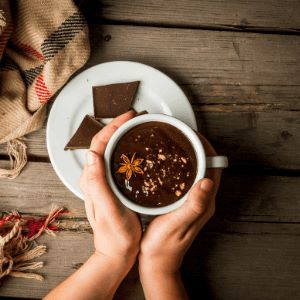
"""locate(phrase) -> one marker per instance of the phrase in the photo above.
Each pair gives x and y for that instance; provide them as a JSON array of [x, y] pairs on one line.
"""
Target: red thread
[[32, 51], [31, 225], [42, 90], [53, 227], [8, 218]]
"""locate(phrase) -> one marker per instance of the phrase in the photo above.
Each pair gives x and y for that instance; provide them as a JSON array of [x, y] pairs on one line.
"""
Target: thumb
[[200, 196], [96, 184], [196, 205], [97, 188], [95, 170]]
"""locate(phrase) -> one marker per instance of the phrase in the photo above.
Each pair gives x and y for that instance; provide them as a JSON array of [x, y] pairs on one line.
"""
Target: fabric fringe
[[16, 150], [16, 243], [27, 275]]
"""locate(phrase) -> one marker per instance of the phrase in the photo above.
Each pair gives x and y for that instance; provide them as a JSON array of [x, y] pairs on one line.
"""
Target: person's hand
[[169, 236], [117, 230]]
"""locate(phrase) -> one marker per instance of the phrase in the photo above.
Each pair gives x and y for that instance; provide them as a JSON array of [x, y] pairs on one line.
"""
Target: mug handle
[[216, 162]]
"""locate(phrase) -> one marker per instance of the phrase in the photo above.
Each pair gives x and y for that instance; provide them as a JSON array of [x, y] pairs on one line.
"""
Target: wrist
[[159, 282], [118, 264], [156, 266]]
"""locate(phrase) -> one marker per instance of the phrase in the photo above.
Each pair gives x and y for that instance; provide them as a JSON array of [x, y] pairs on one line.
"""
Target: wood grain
[[269, 139], [242, 198], [218, 266], [245, 89], [36, 189], [238, 244], [66, 253], [212, 66], [228, 72], [233, 14], [259, 198], [234, 266]]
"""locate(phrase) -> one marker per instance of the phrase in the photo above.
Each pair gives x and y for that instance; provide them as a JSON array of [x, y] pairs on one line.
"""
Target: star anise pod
[[130, 167]]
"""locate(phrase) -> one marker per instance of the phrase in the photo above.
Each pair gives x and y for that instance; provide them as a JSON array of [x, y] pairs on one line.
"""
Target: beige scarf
[[42, 43]]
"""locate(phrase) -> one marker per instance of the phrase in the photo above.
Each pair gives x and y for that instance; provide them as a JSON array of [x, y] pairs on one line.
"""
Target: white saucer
[[157, 93]]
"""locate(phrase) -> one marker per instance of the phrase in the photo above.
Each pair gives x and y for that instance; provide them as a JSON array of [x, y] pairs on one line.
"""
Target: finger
[[101, 139], [90, 211], [215, 175], [96, 187], [196, 205], [89, 206]]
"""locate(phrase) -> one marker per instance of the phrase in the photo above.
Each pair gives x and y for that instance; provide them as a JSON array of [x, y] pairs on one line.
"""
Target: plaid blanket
[[42, 43]]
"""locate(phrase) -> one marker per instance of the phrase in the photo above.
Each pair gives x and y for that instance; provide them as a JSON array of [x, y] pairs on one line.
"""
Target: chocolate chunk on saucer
[[143, 112], [83, 136], [113, 99]]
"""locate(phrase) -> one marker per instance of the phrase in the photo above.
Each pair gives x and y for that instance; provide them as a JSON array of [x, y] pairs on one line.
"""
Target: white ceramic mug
[[203, 162]]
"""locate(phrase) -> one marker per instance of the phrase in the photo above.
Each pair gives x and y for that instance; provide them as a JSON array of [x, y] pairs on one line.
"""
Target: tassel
[[17, 234], [16, 150]]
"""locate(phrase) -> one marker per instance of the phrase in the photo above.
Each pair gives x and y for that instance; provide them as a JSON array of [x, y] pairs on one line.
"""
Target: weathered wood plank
[[244, 198], [269, 139], [35, 142], [66, 253], [252, 71], [36, 189], [211, 66], [218, 266], [270, 14], [265, 267], [223, 260]]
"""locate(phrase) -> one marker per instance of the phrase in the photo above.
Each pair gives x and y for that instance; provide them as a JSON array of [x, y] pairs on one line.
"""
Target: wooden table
[[239, 64]]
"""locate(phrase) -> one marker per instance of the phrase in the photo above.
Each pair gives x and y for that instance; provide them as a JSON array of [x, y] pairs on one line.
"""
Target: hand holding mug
[[169, 236], [117, 230]]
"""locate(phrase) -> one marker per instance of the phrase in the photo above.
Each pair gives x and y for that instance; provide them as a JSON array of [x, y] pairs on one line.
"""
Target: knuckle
[[95, 138], [91, 176], [199, 207]]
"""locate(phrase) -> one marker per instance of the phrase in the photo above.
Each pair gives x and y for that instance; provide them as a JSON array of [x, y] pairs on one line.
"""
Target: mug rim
[[189, 134]]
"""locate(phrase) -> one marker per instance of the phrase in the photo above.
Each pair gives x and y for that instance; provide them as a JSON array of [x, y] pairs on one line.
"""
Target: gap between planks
[[217, 224], [257, 16], [244, 168], [216, 27]]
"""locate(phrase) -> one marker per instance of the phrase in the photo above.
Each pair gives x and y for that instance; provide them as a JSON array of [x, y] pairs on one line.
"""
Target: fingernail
[[206, 185], [90, 158]]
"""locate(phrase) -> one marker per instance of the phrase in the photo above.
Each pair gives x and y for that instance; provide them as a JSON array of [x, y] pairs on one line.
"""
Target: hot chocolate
[[154, 164]]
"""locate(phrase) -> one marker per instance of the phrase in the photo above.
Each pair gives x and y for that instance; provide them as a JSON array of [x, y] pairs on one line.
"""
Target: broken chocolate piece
[[143, 112], [113, 99], [83, 136]]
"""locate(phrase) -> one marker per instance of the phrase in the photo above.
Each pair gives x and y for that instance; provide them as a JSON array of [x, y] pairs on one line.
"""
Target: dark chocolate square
[[83, 136], [113, 99]]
